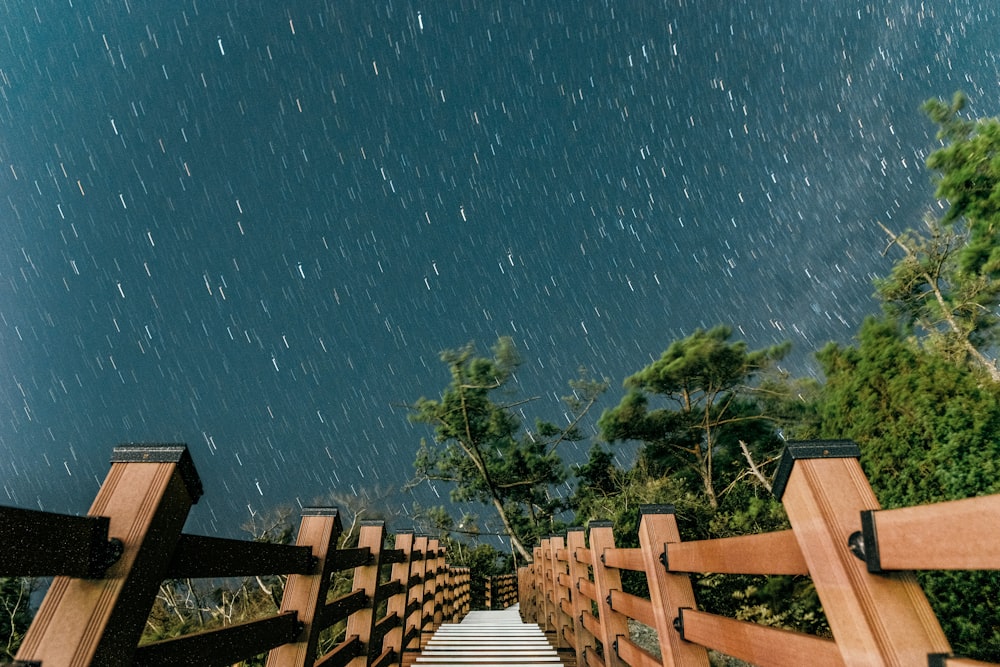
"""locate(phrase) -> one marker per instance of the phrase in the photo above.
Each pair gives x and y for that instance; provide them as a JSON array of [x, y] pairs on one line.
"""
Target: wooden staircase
[[484, 638]]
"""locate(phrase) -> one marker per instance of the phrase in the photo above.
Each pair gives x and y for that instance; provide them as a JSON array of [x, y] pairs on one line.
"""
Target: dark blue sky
[[251, 227]]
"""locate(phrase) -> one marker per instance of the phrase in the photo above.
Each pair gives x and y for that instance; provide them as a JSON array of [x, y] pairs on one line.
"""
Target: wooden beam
[[876, 620], [340, 608], [761, 645], [197, 557], [633, 606], [953, 535], [560, 570], [146, 497], [366, 578], [396, 605], [667, 592], [633, 655], [625, 559], [413, 624], [305, 594], [223, 646], [606, 579], [766, 553], [43, 544], [575, 539]]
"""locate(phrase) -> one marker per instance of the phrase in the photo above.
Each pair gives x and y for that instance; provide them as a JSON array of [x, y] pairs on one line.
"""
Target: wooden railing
[[109, 564], [501, 591], [859, 557]]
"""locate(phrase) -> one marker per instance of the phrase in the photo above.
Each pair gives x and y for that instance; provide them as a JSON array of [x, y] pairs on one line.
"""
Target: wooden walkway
[[485, 638]]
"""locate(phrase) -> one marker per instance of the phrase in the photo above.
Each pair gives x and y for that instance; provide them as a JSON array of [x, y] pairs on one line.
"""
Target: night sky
[[252, 226]]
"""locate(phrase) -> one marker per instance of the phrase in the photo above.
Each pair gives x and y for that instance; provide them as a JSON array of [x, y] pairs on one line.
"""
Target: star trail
[[252, 226]]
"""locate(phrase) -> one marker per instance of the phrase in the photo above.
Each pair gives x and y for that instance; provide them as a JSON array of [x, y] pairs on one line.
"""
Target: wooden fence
[[501, 591], [859, 557], [108, 566]]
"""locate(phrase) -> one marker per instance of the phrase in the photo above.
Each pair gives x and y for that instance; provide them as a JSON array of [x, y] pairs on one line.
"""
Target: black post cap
[[163, 453], [810, 449]]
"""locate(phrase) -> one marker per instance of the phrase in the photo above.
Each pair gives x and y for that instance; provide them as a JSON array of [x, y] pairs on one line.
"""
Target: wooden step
[[489, 638]]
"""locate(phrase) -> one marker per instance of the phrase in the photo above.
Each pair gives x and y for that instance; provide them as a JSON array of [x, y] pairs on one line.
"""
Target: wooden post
[[575, 539], [397, 603], [875, 619], [607, 579], [413, 625], [440, 584], [305, 594], [545, 576], [524, 593], [560, 591], [448, 598], [146, 496], [667, 592], [427, 625], [362, 622]]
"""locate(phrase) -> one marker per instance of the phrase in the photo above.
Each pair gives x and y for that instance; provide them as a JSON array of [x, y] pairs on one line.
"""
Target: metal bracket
[[679, 622], [113, 550]]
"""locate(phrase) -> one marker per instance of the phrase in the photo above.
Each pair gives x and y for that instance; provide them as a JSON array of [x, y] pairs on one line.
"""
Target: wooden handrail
[[953, 535], [839, 537], [49, 544], [108, 567]]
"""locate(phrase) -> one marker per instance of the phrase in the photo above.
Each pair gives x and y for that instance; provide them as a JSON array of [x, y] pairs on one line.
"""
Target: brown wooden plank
[[583, 555], [305, 594], [547, 607], [636, 608], [440, 580], [342, 607], [199, 556], [566, 606], [429, 621], [767, 553], [587, 589], [397, 604], [362, 622], [624, 559], [606, 579], [761, 645], [592, 625], [345, 559], [223, 646], [563, 617], [667, 592], [953, 535], [414, 617], [593, 659], [633, 655], [43, 544], [874, 618], [345, 651], [575, 539]]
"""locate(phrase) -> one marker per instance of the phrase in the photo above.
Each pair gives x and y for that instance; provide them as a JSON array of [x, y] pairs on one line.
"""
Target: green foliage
[[968, 168], [947, 284], [927, 431], [15, 613], [706, 384], [709, 451], [481, 446]]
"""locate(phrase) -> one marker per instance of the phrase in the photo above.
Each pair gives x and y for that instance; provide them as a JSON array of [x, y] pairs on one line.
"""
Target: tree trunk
[[514, 540]]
